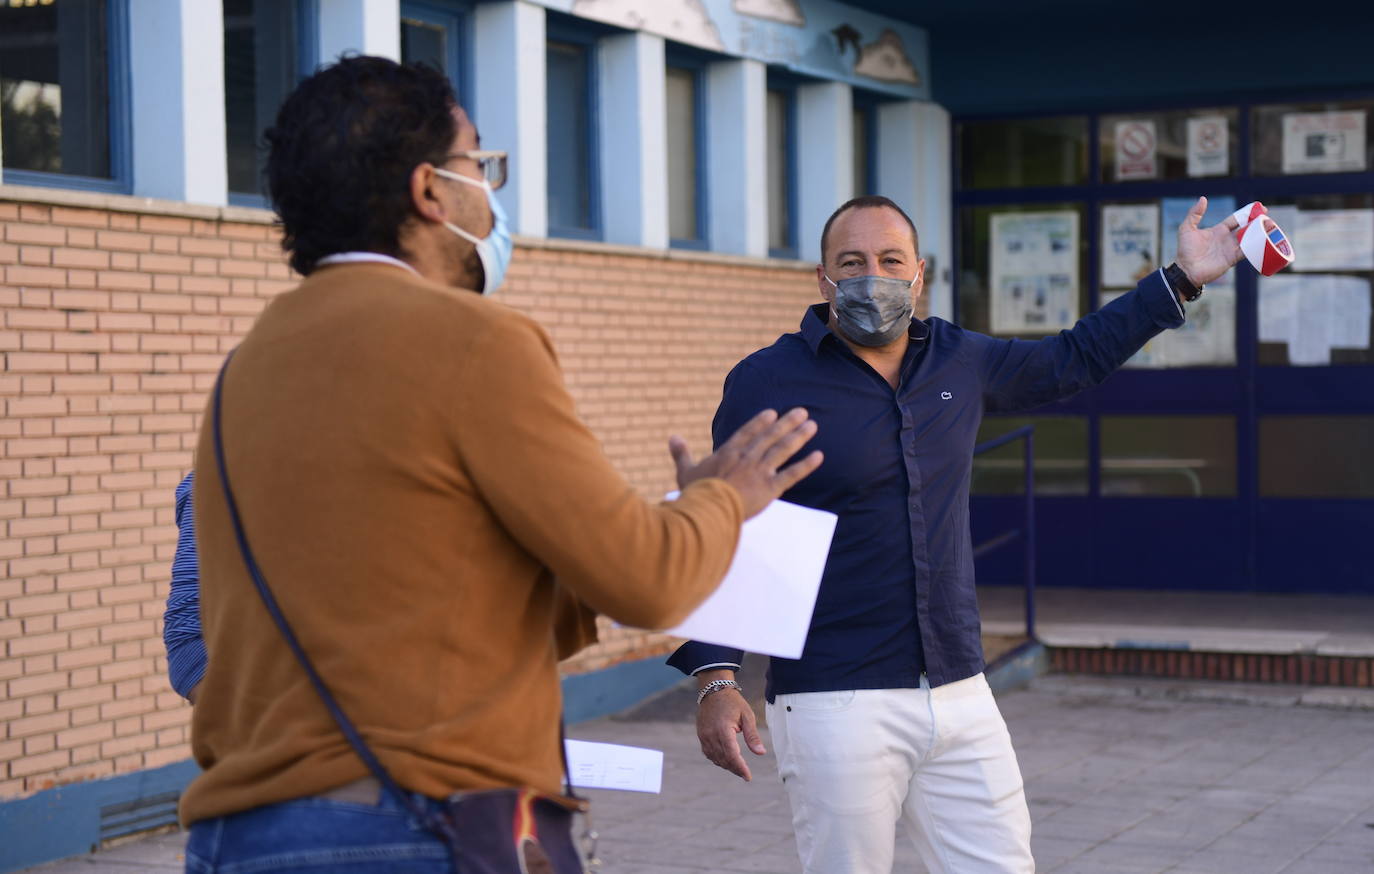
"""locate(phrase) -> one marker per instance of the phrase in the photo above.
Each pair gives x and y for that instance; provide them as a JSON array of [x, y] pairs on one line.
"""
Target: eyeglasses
[[491, 162]]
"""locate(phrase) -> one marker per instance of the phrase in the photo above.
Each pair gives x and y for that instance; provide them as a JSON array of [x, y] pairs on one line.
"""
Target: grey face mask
[[872, 310]]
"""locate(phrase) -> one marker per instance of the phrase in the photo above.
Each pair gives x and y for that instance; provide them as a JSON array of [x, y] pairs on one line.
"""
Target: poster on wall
[[1206, 339], [1034, 271], [1334, 239], [1209, 146], [1324, 142], [1172, 212], [1130, 243], [1314, 314], [1137, 150]]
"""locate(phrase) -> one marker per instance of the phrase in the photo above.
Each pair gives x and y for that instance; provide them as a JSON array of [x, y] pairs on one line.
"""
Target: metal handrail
[[1027, 535]]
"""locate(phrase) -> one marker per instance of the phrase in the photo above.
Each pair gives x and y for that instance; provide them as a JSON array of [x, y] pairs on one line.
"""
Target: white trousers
[[940, 760]]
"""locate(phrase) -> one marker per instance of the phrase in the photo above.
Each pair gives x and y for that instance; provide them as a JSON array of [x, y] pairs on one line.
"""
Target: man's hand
[[721, 716], [750, 459], [1206, 254]]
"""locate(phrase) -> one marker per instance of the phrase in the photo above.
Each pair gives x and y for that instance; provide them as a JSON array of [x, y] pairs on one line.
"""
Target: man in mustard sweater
[[437, 525]]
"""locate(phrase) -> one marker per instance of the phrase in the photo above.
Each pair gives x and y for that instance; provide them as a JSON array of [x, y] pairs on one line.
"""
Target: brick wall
[[117, 313]]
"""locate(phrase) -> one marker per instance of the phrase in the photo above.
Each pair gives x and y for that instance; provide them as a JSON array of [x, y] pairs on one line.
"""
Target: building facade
[[670, 173], [671, 166]]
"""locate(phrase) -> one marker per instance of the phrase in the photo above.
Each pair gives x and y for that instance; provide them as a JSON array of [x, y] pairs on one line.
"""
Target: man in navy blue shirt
[[887, 715]]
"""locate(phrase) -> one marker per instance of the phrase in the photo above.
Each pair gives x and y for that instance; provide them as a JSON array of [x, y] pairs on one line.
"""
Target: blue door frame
[[1245, 543]]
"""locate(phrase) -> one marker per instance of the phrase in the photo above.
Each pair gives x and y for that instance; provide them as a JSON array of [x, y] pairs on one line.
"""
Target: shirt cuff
[[1173, 295], [716, 666]]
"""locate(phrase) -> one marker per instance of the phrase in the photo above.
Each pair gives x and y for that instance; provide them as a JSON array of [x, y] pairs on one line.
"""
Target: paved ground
[[1124, 776]]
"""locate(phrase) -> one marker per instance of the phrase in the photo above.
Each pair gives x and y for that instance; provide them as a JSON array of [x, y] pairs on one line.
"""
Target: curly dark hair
[[342, 150]]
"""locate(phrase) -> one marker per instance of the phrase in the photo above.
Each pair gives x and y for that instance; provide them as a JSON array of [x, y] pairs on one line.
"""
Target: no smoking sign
[[1136, 150]]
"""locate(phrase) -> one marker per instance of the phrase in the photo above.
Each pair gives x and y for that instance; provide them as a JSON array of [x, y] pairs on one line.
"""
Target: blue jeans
[[317, 835]]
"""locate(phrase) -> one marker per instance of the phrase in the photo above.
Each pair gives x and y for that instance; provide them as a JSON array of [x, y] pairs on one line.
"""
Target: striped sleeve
[[181, 623]]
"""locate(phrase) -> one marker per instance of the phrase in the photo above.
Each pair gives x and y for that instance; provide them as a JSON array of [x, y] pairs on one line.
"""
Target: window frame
[[456, 18], [787, 84], [868, 102], [696, 62], [120, 130], [563, 29], [307, 21]]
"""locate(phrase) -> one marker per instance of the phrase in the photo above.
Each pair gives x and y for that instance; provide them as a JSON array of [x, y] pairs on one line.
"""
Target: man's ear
[[422, 194], [827, 290], [920, 285]]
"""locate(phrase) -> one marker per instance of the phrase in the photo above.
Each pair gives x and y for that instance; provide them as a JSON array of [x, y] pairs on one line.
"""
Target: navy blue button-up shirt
[[897, 596]]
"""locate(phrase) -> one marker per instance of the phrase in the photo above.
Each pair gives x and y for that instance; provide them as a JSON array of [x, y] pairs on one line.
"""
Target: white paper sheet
[[1311, 343], [1206, 339], [764, 604], [1278, 300], [1350, 312], [612, 766], [1333, 239]]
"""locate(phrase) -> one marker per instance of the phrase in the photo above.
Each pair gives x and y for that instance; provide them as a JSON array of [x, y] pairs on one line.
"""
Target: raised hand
[[750, 459], [1205, 254]]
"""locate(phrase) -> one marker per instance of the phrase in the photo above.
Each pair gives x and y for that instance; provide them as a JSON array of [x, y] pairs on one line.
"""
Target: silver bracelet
[[716, 686]]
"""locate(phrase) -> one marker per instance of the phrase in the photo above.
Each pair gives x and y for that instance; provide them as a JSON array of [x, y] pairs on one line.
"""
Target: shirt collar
[[355, 257], [815, 327]]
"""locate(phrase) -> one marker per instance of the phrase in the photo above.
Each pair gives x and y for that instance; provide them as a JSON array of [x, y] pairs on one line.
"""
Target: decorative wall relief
[[685, 21], [784, 11]]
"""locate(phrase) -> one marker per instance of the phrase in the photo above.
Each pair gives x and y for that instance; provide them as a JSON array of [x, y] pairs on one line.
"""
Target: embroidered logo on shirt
[[944, 395]]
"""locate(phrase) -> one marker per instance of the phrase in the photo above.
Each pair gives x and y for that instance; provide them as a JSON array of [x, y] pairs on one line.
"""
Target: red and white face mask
[[1262, 241]]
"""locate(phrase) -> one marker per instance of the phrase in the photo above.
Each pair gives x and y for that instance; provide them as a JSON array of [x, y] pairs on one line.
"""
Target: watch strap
[[1181, 284]]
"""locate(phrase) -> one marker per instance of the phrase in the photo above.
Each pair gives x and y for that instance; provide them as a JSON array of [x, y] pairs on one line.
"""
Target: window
[[435, 35], [1061, 457], [261, 66], [62, 112], [1301, 138], [781, 158], [1181, 456], [686, 216], [1184, 144], [1311, 456], [1023, 152], [865, 135], [861, 157], [571, 131]]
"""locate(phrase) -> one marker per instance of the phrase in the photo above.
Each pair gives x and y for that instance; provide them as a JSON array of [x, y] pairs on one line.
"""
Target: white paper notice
[[1311, 343], [1278, 300], [1130, 243], [1034, 271], [1333, 239], [1350, 312], [1324, 142], [612, 766], [1209, 150], [764, 604]]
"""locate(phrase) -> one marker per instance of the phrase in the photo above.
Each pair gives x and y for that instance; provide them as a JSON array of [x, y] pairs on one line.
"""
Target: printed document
[[612, 766], [764, 605]]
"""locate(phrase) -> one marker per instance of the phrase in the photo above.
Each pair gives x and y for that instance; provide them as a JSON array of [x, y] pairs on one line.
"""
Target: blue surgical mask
[[872, 310], [494, 252]]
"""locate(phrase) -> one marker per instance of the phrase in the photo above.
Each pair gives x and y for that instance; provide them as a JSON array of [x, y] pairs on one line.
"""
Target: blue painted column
[[368, 27], [825, 159], [634, 141], [914, 170], [509, 105], [736, 183], [176, 55]]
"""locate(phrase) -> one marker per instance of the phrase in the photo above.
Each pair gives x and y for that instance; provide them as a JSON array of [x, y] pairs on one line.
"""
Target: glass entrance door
[[1226, 455]]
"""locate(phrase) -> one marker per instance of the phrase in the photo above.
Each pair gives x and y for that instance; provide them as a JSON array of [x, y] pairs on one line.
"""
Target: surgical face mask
[[494, 252], [872, 310]]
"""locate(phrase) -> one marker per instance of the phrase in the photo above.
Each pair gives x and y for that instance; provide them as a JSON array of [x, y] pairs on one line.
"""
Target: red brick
[[47, 235], [88, 259], [35, 362], [42, 277], [124, 241]]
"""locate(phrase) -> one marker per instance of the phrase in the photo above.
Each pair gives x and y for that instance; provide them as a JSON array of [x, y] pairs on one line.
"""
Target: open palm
[[1205, 254]]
